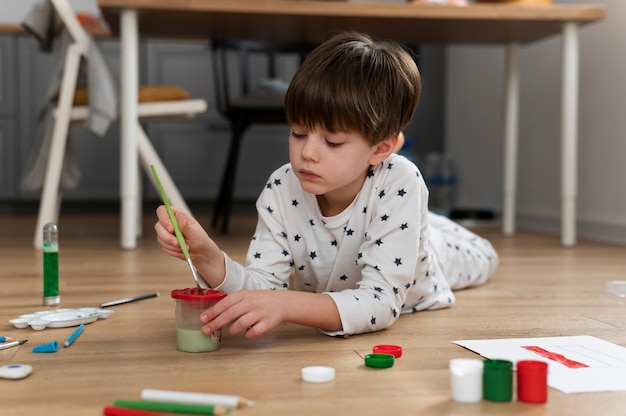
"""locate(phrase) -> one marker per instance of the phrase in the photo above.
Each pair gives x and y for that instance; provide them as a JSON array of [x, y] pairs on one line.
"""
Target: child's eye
[[333, 144], [297, 135]]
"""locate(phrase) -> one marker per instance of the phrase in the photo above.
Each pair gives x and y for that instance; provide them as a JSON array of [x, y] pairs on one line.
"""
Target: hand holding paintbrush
[[200, 282]]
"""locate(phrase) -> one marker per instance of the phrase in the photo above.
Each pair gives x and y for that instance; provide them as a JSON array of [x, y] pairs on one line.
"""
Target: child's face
[[330, 164]]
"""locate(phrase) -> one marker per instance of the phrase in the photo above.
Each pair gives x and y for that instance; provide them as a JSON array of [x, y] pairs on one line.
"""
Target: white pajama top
[[376, 259]]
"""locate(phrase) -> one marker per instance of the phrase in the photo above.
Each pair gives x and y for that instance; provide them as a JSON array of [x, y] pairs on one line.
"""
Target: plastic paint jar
[[498, 380], [466, 380], [190, 303], [532, 381]]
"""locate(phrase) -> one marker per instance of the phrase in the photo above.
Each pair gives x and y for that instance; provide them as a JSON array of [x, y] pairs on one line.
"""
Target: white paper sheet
[[605, 362]]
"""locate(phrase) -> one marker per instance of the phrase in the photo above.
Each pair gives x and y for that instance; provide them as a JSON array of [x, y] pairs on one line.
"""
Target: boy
[[347, 217]]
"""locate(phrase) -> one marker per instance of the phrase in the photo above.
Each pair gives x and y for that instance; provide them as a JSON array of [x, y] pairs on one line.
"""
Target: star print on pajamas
[[383, 256]]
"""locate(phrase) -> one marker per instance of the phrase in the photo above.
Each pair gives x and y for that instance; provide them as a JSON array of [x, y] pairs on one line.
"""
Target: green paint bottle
[[51, 296]]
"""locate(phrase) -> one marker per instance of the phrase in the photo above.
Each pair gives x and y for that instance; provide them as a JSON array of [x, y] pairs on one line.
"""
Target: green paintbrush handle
[[179, 235]]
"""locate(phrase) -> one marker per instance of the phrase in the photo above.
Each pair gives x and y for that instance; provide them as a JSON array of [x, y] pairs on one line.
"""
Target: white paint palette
[[60, 318]]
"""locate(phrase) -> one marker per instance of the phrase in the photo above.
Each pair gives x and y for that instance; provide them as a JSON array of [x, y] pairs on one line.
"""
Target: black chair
[[238, 65]]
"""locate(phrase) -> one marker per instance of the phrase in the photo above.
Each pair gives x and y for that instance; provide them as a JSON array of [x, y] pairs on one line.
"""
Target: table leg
[[129, 176], [569, 133], [511, 129]]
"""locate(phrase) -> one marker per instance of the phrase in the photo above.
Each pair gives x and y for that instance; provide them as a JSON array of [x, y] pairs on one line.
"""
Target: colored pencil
[[196, 409], [123, 411], [229, 401], [6, 339], [74, 335]]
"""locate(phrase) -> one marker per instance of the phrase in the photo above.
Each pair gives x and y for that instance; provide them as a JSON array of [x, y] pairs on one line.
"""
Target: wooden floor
[[540, 289]]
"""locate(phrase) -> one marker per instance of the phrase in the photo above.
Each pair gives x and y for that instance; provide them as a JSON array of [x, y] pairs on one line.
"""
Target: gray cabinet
[[8, 129], [7, 161]]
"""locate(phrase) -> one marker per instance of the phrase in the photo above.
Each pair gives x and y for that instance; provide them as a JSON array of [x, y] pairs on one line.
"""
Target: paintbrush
[[200, 282]]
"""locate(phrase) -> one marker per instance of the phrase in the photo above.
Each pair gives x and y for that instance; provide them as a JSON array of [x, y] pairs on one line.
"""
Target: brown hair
[[351, 83]]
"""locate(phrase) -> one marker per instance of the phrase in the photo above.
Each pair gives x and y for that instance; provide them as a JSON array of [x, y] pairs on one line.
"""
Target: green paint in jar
[[193, 340]]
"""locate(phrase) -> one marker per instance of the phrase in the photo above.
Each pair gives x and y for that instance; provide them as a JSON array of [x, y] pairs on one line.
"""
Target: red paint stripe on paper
[[559, 358]]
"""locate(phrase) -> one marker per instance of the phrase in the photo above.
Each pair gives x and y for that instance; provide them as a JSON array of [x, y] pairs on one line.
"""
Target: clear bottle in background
[[408, 151], [51, 296], [447, 177], [440, 177], [432, 176]]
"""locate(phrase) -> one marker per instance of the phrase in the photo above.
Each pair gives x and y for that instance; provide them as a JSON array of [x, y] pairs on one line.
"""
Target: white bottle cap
[[318, 374]]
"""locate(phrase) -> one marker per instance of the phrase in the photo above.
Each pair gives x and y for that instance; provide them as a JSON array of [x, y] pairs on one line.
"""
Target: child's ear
[[385, 148], [399, 143]]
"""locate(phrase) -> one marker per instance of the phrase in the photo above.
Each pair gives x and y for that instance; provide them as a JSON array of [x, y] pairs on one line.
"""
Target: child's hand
[[253, 312], [189, 227], [206, 255]]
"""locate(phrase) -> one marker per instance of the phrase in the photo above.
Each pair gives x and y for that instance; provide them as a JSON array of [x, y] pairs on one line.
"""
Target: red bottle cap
[[394, 350]]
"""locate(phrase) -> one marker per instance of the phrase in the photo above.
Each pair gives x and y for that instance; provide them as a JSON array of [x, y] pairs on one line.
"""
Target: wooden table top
[[312, 20]]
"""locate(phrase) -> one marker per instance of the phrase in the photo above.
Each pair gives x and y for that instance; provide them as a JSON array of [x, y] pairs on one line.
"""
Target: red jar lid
[[195, 295]]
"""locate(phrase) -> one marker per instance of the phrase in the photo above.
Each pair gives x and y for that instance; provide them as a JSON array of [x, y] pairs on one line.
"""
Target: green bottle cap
[[379, 360]]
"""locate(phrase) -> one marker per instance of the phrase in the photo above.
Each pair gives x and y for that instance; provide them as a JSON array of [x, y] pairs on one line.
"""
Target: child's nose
[[310, 150]]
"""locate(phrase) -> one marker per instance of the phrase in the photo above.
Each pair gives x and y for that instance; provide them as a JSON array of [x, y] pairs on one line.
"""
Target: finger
[[165, 238], [249, 324], [256, 330], [219, 307], [223, 312], [213, 318], [183, 219], [174, 253], [189, 227], [164, 218]]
